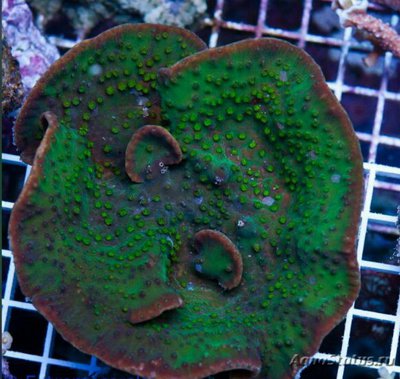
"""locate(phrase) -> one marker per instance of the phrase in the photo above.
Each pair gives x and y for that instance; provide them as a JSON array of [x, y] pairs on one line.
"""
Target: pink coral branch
[[379, 33]]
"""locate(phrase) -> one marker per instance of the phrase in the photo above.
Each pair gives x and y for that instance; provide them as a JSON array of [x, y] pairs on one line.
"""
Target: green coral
[[218, 258], [270, 162], [86, 86]]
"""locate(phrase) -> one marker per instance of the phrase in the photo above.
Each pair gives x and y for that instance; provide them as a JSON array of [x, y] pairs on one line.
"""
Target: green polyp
[[217, 169]]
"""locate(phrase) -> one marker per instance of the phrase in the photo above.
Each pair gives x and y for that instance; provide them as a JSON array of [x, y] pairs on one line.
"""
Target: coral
[[5, 369], [227, 244], [384, 373], [33, 53], [379, 33], [6, 342], [109, 74]]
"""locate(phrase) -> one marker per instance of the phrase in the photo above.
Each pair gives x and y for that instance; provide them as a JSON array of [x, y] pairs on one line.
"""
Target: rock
[[11, 86], [84, 15], [32, 51]]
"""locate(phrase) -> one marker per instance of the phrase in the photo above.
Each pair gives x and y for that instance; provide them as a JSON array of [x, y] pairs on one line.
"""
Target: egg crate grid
[[39, 352]]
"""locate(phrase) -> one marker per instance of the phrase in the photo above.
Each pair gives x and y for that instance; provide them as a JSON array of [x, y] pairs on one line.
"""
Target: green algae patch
[[237, 256]]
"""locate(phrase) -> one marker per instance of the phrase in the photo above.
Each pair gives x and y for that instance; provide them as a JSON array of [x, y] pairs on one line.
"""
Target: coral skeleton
[[385, 374], [353, 13], [6, 342]]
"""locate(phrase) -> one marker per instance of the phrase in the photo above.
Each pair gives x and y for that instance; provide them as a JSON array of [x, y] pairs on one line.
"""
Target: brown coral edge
[[166, 303], [229, 248], [356, 186], [23, 201], [251, 363], [28, 150], [173, 158]]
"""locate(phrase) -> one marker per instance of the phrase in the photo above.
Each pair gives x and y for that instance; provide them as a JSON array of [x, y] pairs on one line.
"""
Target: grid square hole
[[5, 265], [229, 35], [54, 371], [379, 292], [17, 293], [62, 349], [354, 372], [12, 180], [394, 75], [391, 118], [324, 21], [245, 11], [370, 338], [380, 246], [325, 369], [385, 201], [388, 155], [327, 58], [332, 343], [21, 369], [361, 110], [278, 14], [28, 329], [365, 146], [358, 74], [4, 228]]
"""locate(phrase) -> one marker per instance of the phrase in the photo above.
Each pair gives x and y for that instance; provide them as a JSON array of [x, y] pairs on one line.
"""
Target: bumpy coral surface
[[109, 82], [198, 223]]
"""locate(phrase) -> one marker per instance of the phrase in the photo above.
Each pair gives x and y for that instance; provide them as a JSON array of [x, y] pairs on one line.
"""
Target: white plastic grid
[[370, 220]]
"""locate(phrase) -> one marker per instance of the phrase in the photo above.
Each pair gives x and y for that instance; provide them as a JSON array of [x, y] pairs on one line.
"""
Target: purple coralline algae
[[32, 51]]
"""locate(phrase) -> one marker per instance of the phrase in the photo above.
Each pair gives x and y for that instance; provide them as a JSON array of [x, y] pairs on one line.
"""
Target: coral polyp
[[191, 220]]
